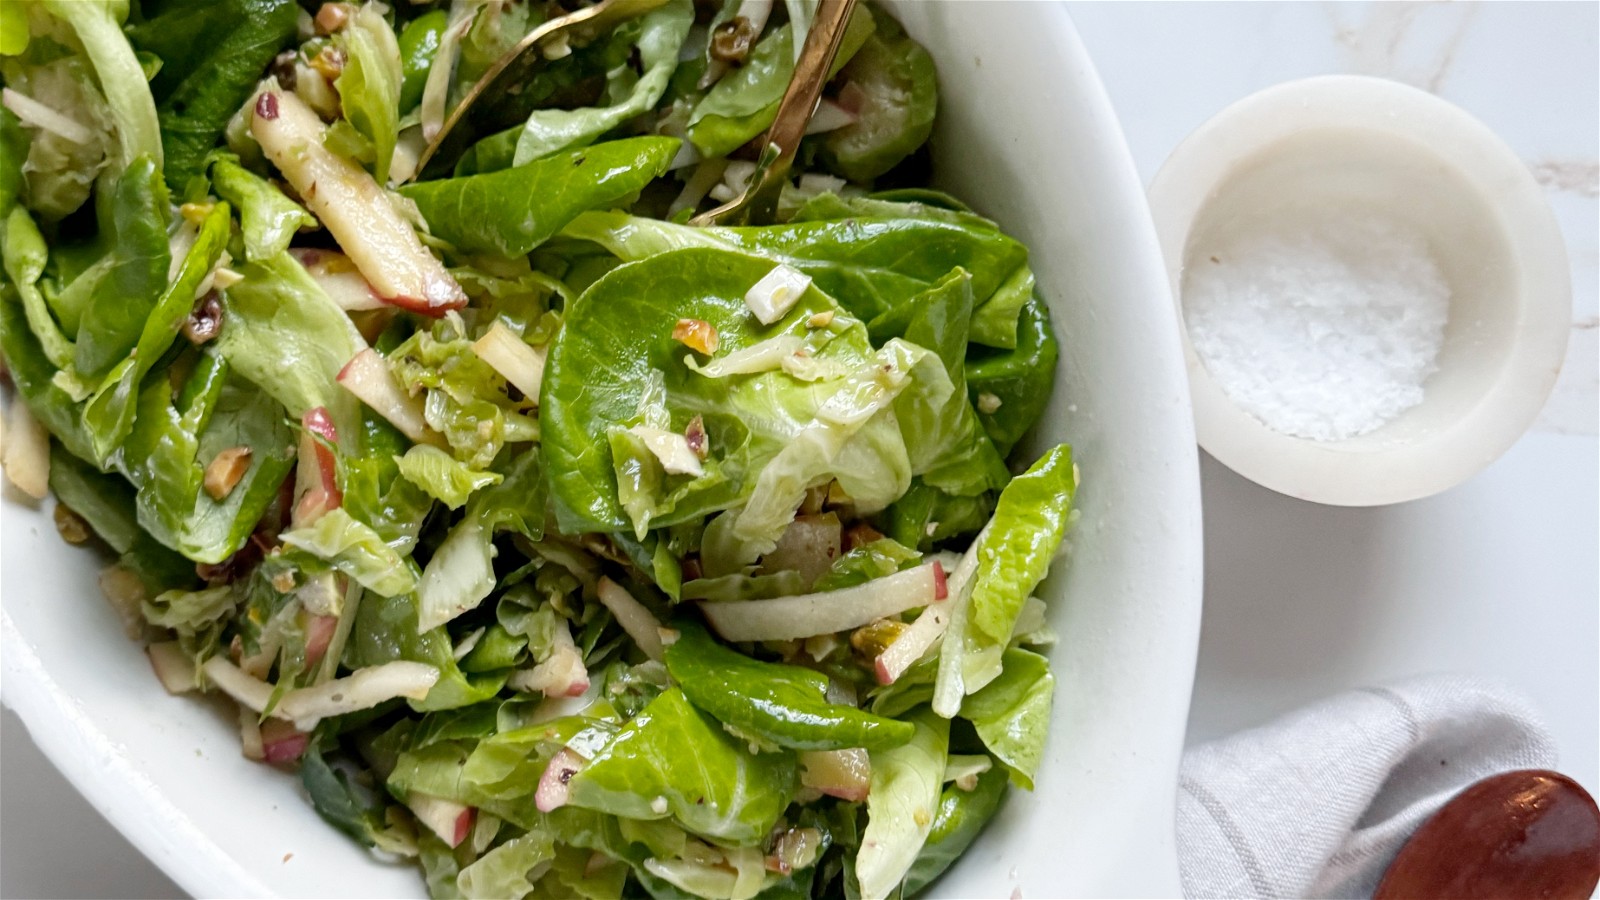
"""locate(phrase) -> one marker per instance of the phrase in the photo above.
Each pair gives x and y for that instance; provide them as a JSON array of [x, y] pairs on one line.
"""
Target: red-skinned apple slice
[[367, 376], [352, 206], [316, 481], [339, 279], [553, 791], [450, 820], [281, 742], [319, 633]]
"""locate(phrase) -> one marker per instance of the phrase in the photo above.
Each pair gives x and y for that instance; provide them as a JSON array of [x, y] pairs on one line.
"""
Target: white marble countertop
[[1499, 577]]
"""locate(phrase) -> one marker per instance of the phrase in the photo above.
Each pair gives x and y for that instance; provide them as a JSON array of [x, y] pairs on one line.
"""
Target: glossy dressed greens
[[560, 546]]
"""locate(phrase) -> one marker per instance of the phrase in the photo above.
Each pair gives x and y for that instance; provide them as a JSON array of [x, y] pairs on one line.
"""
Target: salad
[[559, 545]]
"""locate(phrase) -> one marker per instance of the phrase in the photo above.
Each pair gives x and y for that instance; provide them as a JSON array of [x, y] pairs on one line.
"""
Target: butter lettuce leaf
[[901, 805], [511, 211], [784, 705], [720, 790], [615, 363], [662, 33], [869, 265], [1012, 713]]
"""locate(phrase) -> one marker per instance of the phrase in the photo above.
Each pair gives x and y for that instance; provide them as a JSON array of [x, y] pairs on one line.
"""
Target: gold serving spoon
[[759, 203], [505, 80]]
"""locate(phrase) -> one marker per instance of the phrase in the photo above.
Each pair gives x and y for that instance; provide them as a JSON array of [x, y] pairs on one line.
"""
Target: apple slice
[[173, 667], [353, 207], [316, 481], [806, 615], [319, 634], [553, 790], [637, 621], [281, 742], [846, 774], [367, 376], [912, 643], [510, 355], [339, 279], [450, 820]]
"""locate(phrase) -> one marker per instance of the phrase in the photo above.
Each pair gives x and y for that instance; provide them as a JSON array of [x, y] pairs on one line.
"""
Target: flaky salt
[[1323, 328]]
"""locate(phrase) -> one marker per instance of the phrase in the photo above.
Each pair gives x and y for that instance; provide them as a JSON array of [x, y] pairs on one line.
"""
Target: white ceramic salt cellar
[[1384, 149]]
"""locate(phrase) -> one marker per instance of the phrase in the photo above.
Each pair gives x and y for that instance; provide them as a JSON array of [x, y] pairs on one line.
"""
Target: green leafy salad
[[559, 545]]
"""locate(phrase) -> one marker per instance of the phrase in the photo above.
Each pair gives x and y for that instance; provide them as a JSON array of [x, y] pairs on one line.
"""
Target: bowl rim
[[1200, 168]]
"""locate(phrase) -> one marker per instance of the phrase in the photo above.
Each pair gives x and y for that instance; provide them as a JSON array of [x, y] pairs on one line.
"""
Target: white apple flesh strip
[[367, 376], [450, 820], [637, 621], [511, 356], [26, 455], [846, 774], [353, 207], [806, 615], [173, 667], [339, 279], [912, 643], [359, 690], [250, 734]]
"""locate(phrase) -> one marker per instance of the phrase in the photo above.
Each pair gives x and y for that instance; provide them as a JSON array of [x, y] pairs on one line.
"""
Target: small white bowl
[[1393, 151]]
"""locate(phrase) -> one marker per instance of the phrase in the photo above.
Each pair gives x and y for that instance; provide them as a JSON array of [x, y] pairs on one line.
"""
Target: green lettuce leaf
[[213, 53], [369, 84], [1013, 555], [1014, 385], [873, 560], [106, 502], [550, 131], [615, 364], [59, 173], [502, 872], [870, 265], [461, 573], [283, 333], [514, 210], [1012, 713], [745, 101], [961, 817], [466, 400], [783, 705], [172, 442], [896, 80], [721, 791], [419, 45], [98, 25], [901, 805], [110, 409], [446, 480], [947, 446], [25, 254], [123, 300], [34, 376], [385, 630], [354, 548], [268, 219]]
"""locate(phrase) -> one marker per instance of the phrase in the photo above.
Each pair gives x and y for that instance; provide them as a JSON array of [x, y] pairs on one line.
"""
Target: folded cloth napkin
[[1317, 803]]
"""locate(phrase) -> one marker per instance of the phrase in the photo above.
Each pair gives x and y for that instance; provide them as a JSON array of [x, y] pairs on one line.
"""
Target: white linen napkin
[[1318, 802]]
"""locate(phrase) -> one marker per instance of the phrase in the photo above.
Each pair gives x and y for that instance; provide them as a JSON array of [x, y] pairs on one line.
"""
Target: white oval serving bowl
[[1370, 146], [1028, 135]]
